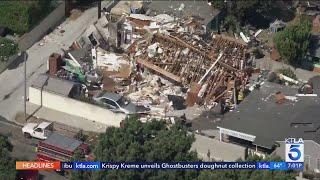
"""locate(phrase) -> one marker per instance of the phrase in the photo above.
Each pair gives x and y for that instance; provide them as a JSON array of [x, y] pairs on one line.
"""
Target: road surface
[[12, 80], [24, 149]]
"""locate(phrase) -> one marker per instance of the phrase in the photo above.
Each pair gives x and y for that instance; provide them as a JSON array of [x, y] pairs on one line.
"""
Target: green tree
[[249, 174], [219, 4], [293, 42], [288, 72], [21, 16], [7, 164], [242, 9], [231, 23], [78, 174], [7, 48], [142, 142], [81, 136]]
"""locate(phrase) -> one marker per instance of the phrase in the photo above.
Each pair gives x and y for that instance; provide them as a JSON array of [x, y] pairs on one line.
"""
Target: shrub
[[81, 136], [7, 48], [21, 16], [288, 72], [257, 52]]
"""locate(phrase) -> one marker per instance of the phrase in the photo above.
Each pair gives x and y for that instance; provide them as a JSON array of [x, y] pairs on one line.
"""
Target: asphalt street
[[12, 80], [24, 149], [12, 84]]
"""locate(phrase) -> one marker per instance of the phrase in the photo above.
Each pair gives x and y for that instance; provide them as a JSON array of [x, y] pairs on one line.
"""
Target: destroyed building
[[106, 33], [170, 63], [211, 70]]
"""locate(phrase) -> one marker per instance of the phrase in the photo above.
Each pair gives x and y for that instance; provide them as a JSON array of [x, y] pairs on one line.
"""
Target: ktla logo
[[294, 150]]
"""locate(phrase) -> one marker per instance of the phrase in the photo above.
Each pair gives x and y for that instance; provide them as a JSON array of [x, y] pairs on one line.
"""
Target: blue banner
[[178, 165], [86, 165]]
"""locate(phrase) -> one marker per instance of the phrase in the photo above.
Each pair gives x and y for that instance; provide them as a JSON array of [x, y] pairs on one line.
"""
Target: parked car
[[40, 131], [118, 103]]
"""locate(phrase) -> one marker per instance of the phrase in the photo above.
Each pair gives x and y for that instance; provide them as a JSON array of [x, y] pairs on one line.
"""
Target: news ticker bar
[[28, 165]]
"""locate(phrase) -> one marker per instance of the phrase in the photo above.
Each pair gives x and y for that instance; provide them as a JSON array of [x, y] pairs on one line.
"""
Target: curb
[[10, 123]]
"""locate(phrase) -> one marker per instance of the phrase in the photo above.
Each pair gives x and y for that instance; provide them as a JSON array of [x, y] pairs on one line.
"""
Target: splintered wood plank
[[159, 70]]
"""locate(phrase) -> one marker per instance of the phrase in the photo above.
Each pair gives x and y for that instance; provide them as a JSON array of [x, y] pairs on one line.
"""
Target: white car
[[40, 131], [117, 103]]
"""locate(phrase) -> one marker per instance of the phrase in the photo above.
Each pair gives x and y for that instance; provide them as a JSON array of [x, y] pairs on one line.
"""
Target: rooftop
[[63, 142], [43, 125], [185, 8], [53, 85], [259, 115]]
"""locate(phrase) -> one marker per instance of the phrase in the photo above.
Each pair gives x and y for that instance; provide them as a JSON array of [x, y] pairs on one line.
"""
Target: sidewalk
[[62, 121], [12, 80]]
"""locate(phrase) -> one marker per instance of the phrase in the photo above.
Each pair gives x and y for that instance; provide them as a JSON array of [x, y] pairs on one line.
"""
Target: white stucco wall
[[75, 107]]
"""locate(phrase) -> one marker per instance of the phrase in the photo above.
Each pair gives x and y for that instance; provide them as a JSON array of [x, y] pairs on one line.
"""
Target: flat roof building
[[260, 121], [205, 13], [56, 86]]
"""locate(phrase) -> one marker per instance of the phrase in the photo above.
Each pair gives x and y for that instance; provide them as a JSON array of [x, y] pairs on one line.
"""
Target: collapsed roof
[[189, 60]]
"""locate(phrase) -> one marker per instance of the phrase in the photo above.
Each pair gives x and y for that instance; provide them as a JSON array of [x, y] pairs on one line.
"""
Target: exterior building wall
[[75, 107]]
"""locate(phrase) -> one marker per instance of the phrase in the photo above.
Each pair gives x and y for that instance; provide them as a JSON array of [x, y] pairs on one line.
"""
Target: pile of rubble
[[212, 71], [169, 64]]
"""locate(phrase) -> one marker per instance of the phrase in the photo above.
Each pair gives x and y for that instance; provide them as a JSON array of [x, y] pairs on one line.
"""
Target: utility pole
[[99, 9], [25, 57]]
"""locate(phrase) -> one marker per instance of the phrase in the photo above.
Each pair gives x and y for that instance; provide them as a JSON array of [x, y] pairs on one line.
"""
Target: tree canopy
[[231, 23], [21, 16], [156, 142], [7, 48], [7, 164], [249, 174], [258, 13], [76, 175], [293, 42], [142, 142]]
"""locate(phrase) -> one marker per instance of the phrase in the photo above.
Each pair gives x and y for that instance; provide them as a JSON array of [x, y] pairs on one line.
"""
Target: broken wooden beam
[[205, 75], [159, 70], [177, 40], [160, 63]]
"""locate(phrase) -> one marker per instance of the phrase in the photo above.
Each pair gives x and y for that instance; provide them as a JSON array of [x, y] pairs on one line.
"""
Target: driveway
[[12, 80]]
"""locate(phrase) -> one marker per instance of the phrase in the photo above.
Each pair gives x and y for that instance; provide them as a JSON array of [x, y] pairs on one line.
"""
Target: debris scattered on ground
[[165, 63]]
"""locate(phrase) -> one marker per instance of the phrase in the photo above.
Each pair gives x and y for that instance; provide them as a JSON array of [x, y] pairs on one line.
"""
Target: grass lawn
[[7, 49]]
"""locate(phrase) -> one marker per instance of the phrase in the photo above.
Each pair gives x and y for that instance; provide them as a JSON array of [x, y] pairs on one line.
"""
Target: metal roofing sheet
[[63, 142]]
